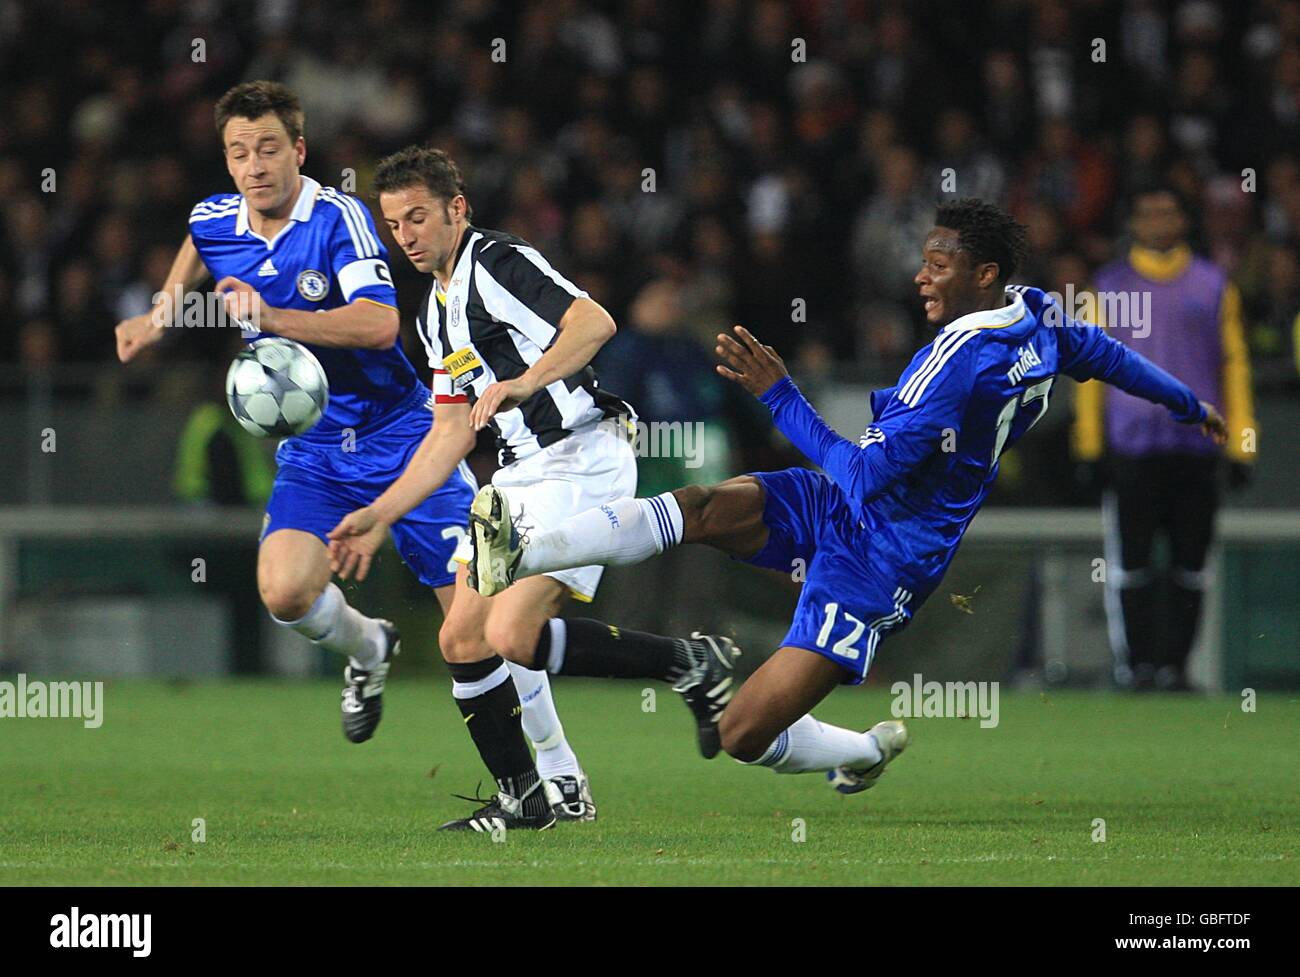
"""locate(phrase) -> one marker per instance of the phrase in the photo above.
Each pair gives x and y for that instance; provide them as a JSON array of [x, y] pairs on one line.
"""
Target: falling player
[[879, 528], [322, 279]]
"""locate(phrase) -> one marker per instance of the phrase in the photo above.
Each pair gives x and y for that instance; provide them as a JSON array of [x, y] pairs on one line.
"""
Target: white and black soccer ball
[[276, 388]]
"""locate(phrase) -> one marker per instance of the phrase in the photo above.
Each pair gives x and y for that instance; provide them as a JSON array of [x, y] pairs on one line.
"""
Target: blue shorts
[[317, 485], [848, 603]]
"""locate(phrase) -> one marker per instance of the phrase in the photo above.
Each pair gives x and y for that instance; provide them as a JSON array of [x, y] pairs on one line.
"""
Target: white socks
[[620, 532], [472, 690], [542, 723], [810, 745], [333, 624], [559, 642]]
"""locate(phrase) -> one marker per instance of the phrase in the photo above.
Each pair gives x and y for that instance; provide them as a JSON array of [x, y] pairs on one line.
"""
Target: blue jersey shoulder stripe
[[216, 204], [214, 214], [936, 351], [363, 224], [940, 354], [349, 220], [362, 242]]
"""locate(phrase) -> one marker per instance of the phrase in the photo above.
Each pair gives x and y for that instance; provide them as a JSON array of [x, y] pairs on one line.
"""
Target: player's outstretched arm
[[583, 329], [357, 538], [361, 324], [1088, 353], [864, 470], [141, 331]]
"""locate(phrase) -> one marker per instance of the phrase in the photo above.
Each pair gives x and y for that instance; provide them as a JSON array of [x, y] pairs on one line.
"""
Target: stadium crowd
[[775, 163]]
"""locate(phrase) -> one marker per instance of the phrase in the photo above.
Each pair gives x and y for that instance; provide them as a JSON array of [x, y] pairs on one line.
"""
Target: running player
[[879, 528], [308, 260], [510, 341]]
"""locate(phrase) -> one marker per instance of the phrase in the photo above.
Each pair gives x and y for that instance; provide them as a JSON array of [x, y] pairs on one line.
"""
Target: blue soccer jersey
[[328, 256], [878, 530]]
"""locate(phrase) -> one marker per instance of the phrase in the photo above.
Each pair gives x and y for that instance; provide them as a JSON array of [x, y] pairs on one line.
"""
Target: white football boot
[[892, 738], [497, 544]]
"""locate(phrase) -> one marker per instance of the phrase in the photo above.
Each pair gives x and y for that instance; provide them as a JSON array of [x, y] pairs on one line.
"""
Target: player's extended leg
[[768, 723], [487, 697], [515, 625], [727, 516], [293, 577]]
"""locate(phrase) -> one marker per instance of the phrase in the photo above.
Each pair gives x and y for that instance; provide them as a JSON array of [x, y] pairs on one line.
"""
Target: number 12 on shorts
[[844, 647]]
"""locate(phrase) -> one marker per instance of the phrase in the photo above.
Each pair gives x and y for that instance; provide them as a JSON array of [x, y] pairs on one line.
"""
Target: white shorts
[[588, 468]]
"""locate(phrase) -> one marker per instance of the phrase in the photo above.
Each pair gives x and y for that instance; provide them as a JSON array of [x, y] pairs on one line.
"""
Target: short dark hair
[[254, 99], [987, 233], [421, 165], [1155, 189]]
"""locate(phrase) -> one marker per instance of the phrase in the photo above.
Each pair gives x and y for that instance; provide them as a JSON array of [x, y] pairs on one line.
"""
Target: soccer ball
[[276, 388]]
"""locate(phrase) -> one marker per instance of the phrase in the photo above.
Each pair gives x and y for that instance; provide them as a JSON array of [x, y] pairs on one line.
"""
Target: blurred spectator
[[1232, 238], [1068, 174], [85, 319], [1008, 115], [977, 172], [1183, 313], [1275, 320], [668, 377], [692, 141], [38, 346], [889, 228]]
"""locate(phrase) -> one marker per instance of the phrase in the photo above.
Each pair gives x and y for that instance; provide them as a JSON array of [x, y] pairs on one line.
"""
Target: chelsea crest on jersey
[[500, 312], [327, 256]]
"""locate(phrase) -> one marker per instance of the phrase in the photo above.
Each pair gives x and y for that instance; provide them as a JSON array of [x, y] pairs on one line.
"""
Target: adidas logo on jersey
[[267, 269], [872, 435], [1028, 359]]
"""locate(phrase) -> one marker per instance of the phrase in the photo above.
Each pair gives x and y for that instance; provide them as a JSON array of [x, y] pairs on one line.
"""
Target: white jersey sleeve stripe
[[206, 205], [359, 221], [535, 256], [936, 351], [932, 368], [349, 218], [427, 330], [919, 392], [362, 223], [214, 214], [360, 228]]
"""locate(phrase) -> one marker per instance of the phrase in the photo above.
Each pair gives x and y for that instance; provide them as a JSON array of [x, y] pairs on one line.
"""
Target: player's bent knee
[[459, 643], [715, 514], [692, 500], [699, 515], [287, 600], [510, 640]]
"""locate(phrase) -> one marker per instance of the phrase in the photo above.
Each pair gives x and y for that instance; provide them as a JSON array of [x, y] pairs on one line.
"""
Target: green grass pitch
[[1192, 791]]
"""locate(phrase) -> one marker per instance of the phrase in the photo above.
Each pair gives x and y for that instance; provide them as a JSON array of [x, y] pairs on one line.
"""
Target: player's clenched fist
[[244, 303], [1214, 425], [748, 362], [135, 334]]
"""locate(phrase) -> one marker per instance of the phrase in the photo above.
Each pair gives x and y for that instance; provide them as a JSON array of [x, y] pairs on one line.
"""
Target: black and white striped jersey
[[500, 313]]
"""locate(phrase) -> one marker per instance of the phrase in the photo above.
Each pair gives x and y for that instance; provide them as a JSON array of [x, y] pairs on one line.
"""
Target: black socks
[[487, 698], [600, 650]]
